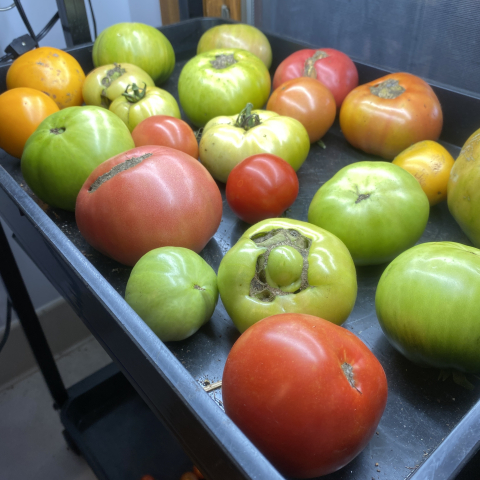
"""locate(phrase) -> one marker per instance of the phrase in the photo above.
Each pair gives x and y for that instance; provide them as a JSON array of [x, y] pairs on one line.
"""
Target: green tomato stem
[[137, 93], [246, 119]]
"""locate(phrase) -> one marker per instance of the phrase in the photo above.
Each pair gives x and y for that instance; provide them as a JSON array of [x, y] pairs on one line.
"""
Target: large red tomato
[[261, 186], [386, 116], [308, 393], [331, 67], [145, 198]]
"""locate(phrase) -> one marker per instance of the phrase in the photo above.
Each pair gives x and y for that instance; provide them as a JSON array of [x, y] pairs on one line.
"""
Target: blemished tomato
[[309, 394], [52, 71], [261, 186], [146, 198], [388, 115], [308, 101], [331, 67], [22, 110], [166, 131], [430, 163]]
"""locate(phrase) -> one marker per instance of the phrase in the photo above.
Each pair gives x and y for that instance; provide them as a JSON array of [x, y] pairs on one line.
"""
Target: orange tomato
[[308, 101], [21, 111], [53, 71], [430, 163]]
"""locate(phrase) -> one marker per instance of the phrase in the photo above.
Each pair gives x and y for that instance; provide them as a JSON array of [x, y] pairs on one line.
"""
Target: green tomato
[[227, 140], [65, 149], [222, 82], [173, 290], [428, 306], [137, 104], [135, 43], [463, 190], [376, 208], [104, 84], [237, 35], [287, 266]]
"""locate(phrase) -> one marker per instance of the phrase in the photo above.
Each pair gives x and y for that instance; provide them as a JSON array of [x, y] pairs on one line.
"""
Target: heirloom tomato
[[136, 43], [22, 110], [463, 190], [376, 208], [146, 198], [222, 82], [66, 147], [52, 71], [166, 131], [430, 163], [331, 67], [309, 394], [308, 101], [427, 305], [227, 140], [388, 115], [104, 84], [261, 186], [173, 290], [284, 265], [237, 35]]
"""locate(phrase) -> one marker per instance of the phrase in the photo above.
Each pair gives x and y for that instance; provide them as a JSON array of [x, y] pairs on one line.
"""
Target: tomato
[[53, 71], [430, 163], [376, 208], [146, 198], [166, 131], [331, 67], [22, 109], [137, 104], [237, 35], [463, 192], [309, 394], [427, 305], [386, 116], [227, 140], [104, 84], [222, 82], [261, 186], [66, 147], [308, 101], [136, 43], [285, 265]]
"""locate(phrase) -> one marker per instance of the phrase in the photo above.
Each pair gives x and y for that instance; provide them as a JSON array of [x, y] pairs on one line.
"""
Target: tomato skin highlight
[[286, 385]]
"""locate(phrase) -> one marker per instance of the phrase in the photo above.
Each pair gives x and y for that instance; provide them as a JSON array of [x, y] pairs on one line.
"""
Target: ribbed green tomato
[[222, 82], [227, 140], [287, 266], [135, 43]]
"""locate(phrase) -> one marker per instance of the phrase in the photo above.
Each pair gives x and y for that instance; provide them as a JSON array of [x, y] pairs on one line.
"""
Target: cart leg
[[27, 316]]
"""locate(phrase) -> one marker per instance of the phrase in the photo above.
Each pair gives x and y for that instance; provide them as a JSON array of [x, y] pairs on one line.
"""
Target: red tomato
[[145, 198], [331, 67], [308, 393], [308, 101], [166, 131], [261, 186], [386, 116]]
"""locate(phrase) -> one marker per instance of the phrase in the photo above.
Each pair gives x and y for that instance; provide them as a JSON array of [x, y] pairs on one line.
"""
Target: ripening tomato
[[308, 101], [331, 67], [52, 71], [430, 163], [21, 112], [261, 186], [386, 116], [166, 131], [308, 393]]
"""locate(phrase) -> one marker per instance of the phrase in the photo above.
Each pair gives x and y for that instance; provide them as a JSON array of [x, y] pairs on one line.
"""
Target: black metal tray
[[430, 427]]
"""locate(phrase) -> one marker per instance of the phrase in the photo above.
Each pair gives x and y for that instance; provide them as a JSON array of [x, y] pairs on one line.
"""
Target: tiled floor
[[31, 442]]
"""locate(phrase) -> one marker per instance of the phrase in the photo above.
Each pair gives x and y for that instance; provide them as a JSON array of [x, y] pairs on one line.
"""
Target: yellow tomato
[[21, 111], [430, 163]]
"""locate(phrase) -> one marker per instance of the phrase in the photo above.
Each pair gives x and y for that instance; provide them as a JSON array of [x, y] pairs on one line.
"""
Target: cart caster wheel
[[70, 443]]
